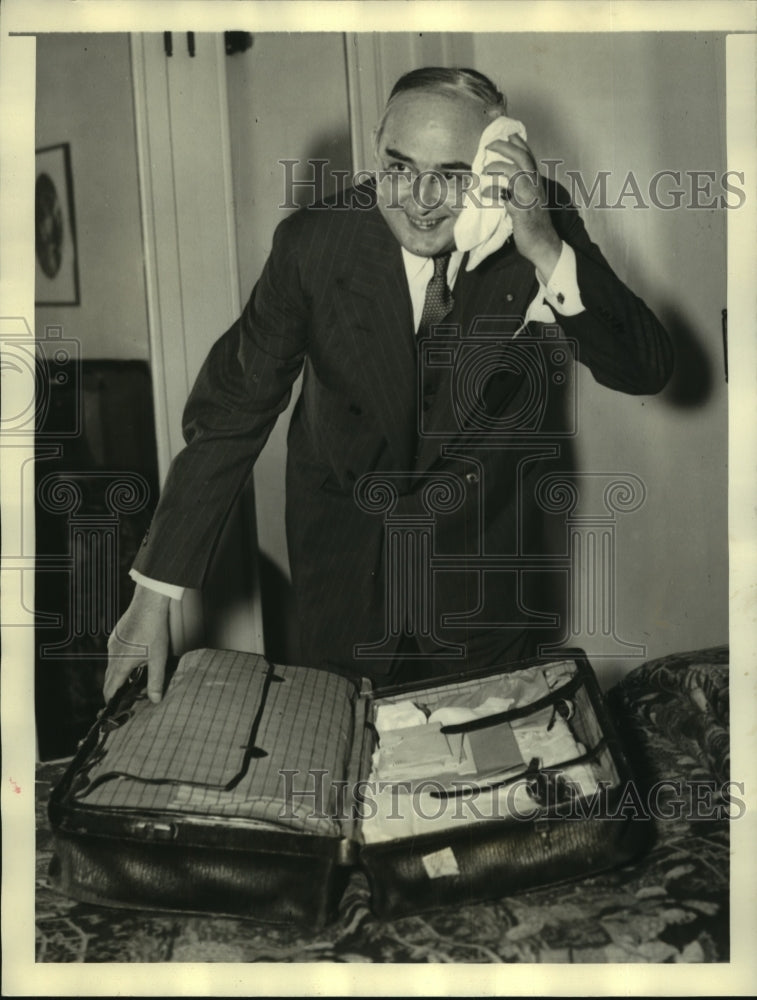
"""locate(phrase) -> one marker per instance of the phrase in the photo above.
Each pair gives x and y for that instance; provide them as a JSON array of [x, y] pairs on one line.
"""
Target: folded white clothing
[[454, 715], [398, 715], [484, 224]]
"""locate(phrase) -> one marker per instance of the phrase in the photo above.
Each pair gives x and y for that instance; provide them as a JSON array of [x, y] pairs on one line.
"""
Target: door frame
[[192, 285]]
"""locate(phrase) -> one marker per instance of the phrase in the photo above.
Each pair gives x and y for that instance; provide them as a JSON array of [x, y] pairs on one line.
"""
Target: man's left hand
[[533, 232]]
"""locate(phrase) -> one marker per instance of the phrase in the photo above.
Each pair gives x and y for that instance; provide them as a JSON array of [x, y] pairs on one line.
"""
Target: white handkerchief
[[483, 224]]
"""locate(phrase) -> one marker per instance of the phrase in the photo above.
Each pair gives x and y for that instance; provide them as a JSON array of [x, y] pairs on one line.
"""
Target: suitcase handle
[[252, 750]]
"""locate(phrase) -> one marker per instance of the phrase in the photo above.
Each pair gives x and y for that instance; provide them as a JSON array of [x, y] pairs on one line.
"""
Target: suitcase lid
[[235, 739]]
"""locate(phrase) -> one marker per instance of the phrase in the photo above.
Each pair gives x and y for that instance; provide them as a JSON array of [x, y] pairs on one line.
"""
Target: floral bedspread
[[669, 906]]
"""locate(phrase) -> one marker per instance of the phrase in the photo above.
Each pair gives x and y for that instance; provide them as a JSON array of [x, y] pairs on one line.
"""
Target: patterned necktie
[[439, 299]]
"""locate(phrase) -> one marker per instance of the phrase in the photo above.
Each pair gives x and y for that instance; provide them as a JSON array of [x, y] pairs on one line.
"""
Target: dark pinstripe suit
[[333, 295]]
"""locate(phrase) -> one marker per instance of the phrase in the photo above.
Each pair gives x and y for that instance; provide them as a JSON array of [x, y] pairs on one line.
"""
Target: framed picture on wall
[[56, 264]]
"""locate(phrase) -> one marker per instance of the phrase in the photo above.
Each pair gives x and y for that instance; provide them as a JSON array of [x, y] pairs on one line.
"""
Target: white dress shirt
[[560, 295]]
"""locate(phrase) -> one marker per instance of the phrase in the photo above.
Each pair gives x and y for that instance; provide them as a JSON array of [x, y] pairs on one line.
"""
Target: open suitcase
[[252, 789]]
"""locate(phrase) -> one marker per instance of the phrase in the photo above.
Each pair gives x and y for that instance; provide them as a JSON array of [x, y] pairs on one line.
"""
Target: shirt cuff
[[561, 291], [171, 590]]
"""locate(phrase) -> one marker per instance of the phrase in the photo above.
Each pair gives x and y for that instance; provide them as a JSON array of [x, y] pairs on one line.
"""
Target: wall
[[287, 100], [85, 99], [647, 103]]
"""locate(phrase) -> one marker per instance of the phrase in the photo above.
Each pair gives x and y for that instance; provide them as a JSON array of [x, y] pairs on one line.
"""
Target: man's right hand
[[142, 634]]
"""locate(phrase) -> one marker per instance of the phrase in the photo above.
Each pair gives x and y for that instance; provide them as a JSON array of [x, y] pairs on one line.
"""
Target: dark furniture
[[96, 475]]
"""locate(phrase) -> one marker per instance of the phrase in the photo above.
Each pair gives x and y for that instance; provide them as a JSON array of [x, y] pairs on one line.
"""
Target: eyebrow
[[395, 154]]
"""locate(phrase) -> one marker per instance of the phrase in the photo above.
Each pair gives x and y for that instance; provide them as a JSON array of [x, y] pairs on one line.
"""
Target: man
[[353, 292]]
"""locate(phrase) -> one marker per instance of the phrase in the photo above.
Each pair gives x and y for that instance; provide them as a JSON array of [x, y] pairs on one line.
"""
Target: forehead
[[434, 128]]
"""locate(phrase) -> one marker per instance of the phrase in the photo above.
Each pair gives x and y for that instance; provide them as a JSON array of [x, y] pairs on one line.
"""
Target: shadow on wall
[[280, 626], [694, 373], [329, 147], [696, 370]]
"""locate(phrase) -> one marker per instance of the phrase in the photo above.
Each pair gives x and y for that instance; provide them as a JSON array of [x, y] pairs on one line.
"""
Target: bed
[[672, 905]]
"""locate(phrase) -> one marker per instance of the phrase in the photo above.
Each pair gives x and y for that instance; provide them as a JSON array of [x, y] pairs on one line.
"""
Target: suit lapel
[[376, 301]]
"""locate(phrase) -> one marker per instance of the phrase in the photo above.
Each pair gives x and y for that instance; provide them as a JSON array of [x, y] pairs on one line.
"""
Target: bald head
[[444, 80]]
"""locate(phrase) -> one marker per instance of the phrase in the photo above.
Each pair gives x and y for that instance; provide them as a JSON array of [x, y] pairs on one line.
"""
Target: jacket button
[[509, 297], [355, 410], [471, 477]]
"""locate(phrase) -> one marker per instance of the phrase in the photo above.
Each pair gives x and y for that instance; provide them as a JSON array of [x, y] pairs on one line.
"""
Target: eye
[[461, 177], [395, 167]]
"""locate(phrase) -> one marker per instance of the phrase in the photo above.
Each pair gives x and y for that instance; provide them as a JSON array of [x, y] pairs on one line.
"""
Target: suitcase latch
[[156, 831]]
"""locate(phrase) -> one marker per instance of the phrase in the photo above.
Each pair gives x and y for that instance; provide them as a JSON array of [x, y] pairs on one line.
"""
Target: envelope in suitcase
[[253, 788]]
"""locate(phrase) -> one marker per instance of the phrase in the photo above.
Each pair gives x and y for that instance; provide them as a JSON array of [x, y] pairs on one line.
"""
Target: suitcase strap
[[534, 771], [562, 693]]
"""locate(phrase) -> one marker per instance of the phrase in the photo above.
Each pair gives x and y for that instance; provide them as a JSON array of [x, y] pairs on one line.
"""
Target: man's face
[[423, 155]]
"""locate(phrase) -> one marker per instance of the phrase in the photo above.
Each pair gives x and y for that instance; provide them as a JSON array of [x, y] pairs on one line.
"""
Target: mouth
[[424, 225]]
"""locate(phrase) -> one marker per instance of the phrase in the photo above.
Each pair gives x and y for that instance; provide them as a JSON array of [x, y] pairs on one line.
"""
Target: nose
[[428, 191]]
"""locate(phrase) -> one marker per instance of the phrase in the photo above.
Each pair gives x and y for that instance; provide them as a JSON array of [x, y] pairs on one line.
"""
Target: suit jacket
[[449, 411]]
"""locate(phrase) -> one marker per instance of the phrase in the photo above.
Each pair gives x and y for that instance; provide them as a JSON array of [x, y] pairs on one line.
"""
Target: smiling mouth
[[424, 224]]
